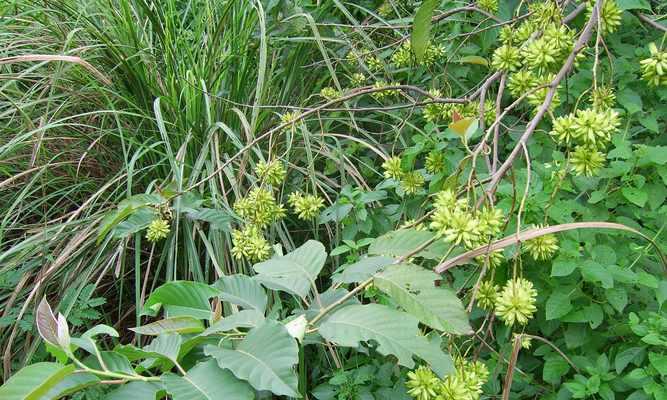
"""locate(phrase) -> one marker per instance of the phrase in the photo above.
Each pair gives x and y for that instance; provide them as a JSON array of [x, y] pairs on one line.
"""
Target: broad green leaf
[[242, 290], [136, 391], [558, 305], [138, 220], [405, 241], [294, 272], [554, 368], [635, 196], [563, 266], [630, 100], [362, 270], [181, 298], [166, 345], [71, 384], [169, 325], [34, 381], [617, 297], [328, 298], [395, 332], [241, 319], [112, 219], [265, 358], [421, 28], [659, 362], [206, 381], [634, 4], [625, 357], [413, 288], [594, 272], [113, 362], [661, 293]]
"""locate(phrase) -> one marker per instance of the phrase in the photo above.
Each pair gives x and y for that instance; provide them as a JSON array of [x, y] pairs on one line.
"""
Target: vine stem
[[367, 282]]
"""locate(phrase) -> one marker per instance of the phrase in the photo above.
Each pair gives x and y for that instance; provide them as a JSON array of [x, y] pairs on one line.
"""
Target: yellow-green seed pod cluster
[[487, 295], [590, 131], [289, 118], [465, 384], [357, 79], [259, 208], [488, 5], [272, 173], [435, 162], [654, 68], [250, 243], [436, 112], [307, 206], [404, 57], [516, 302], [157, 230], [330, 93], [386, 93], [610, 15], [392, 168], [456, 222], [412, 182], [506, 58], [542, 247]]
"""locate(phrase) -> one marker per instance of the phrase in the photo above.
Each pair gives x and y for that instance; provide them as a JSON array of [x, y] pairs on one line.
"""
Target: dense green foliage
[[394, 199]]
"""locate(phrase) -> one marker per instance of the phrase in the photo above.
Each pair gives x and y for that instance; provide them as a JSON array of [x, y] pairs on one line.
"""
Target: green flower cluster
[[290, 118], [272, 172], [392, 168], [591, 131], [436, 112], [454, 220], [412, 182], [516, 302], [157, 230], [488, 5], [357, 79], [259, 208], [330, 93], [542, 247], [250, 243], [487, 295], [610, 15], [305, 206], [404, 57], [384, 94], [435, 162], [465, 384], [654, 68]]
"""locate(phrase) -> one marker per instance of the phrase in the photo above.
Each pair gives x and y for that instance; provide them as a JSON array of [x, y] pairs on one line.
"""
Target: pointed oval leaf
[[265, 358], [136, 391], [242, 290], [171, 325], [413, 288], [421, 28], [395, 332], [241, 319], [70, 385], [294, 272], [206, 381], [181, 298], [34, 381]]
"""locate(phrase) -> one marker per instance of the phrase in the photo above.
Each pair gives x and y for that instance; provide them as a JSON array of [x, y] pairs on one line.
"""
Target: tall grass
[[175, 89]]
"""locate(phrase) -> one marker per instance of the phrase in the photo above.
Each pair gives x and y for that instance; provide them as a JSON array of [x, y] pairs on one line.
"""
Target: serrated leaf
[[136, 391], [413, 288], [206, 381], [294, 272], [241, 319], [71, 384], [34, 381], [171, 325], [242, 290], [265, 358], [363, 269], [395, 332], [421, 28], [181, 298]]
